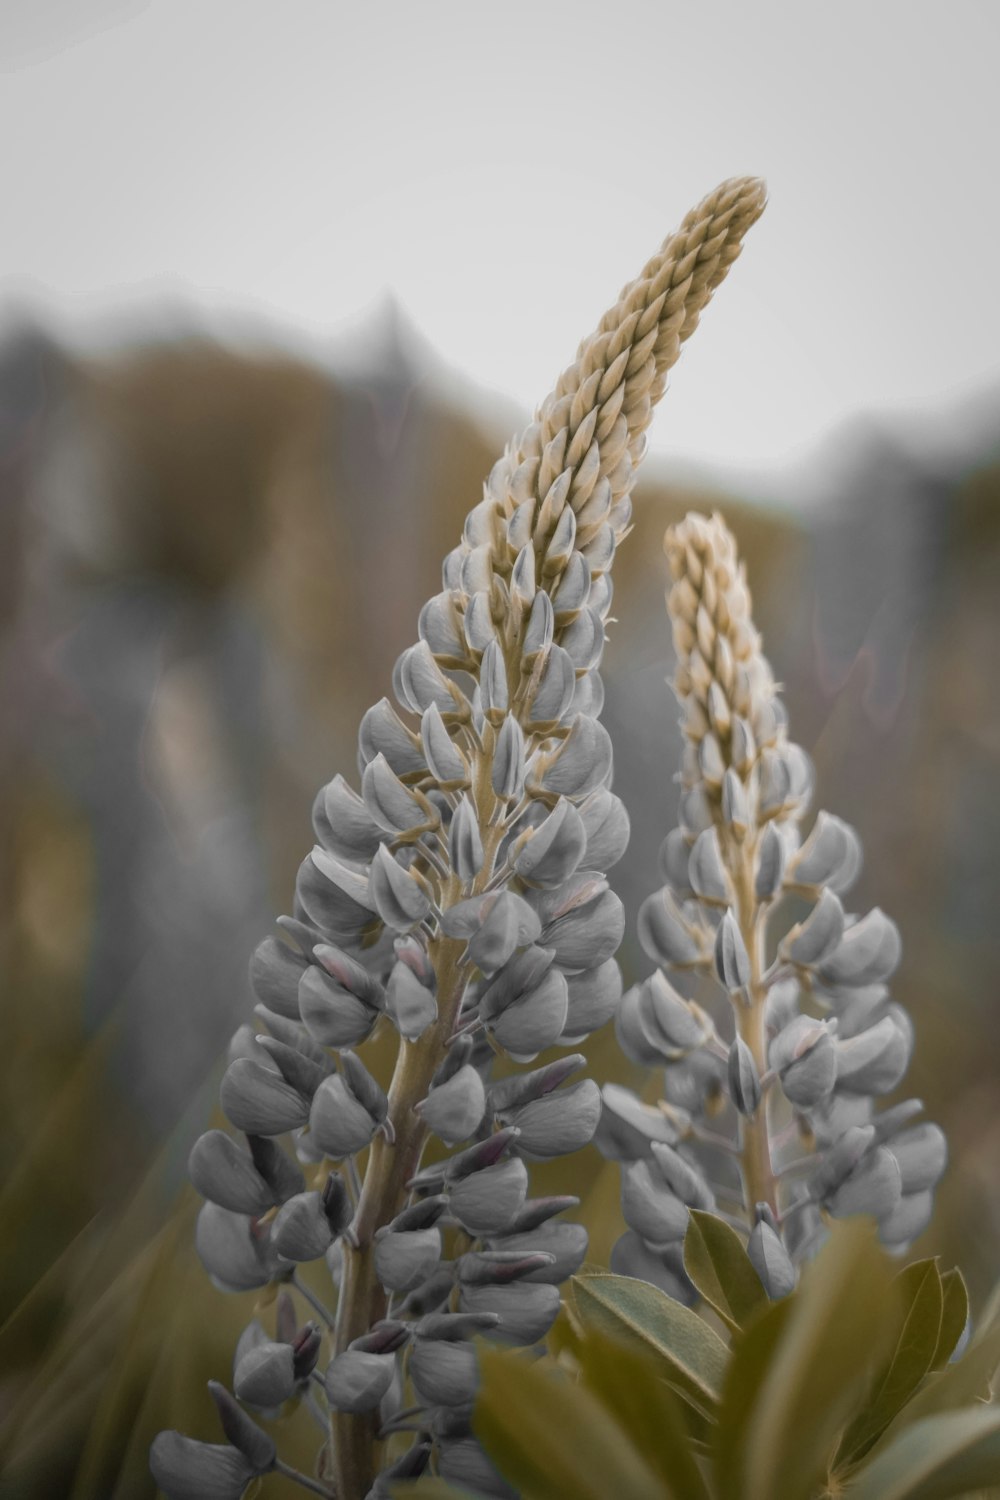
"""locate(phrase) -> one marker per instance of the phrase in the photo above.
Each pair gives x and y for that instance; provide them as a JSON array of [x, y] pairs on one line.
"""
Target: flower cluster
[[777, 1037], [460, 898]]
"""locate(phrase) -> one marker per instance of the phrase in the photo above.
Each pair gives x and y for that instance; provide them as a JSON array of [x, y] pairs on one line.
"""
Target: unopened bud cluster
[[459, 897], [769, 1010]]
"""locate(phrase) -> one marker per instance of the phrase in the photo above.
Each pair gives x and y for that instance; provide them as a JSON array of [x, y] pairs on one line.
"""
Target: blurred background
[[276, 285]]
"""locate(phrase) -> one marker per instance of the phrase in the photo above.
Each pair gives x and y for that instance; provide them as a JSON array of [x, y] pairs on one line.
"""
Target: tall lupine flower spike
[[461, 898], [768, 1111]]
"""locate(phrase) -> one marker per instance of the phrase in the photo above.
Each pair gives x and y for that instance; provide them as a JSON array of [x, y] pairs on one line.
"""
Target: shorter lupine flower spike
[[802, 1037]]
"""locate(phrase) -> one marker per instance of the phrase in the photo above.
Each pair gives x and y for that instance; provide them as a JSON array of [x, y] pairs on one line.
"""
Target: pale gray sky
[[503, 169]]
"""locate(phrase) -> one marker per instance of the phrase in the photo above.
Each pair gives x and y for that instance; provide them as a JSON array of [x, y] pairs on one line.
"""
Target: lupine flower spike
[[769, 1008], [459, 897]]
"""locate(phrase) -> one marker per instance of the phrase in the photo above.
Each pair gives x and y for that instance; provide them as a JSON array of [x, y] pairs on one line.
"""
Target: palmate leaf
[[638, 1315], [721, 1270], [917, 1333], [552, 1439], [628, 1383], [937, 1457], [823, 1354]]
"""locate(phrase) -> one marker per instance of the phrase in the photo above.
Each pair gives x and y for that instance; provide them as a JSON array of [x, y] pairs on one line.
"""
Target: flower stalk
[[461, 898]]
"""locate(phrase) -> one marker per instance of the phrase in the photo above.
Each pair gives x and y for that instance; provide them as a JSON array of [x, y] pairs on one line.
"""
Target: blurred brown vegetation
[[209, 560]]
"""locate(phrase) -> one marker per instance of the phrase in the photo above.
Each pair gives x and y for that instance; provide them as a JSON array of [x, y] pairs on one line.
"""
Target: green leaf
[[628, 1385], [954, 1316], [835, 1332], [936, 1458], [722, 1271], [693, 1357], [749, 1362], [551, 1438], [968, 1379], [916, 1336]]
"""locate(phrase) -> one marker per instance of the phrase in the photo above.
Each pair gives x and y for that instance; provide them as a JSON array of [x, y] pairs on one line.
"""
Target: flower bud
[[498, 1267], [540, 628], [582, 762], [506, 925], [841, 1159], [298, 1070], [665, 933], [811, 941], [675, 854], [804, 1057], [258, 1100], [343, 824], [382, 732], [275, 971], [405, 1260], [921, 1153], [225, 1174], [493, 684], [252, 1441], [830, 850], [535, 1020], [627, 1126], [185, 1469], [418, 682], [301, 1230], [593, 997], [229, 1250], [486, 1201], [559, 1122], [735, 809], [511, 1093], [706, 871], [586, 924], [356, 1382], [444, 759], [583, 638], [265, 1377], [338, 1121], [410, 1005], [334, 1016], [465, 845], [392, 805], [744, 1080], [868, 953], [771, 1261], [397, 894], [440, 627], [549, 854], [770, 864], [444, 1372], [649, 1207], [527, 1309], [873, 1187], [732, 962], [464, 1464], [874, 1061], [574, 587], [566, 1244], [384, 1337], [454, 1109], [631, 1256], [910, 1217], [507, 774], [556, 686], [283, 1177], [683, 1178]]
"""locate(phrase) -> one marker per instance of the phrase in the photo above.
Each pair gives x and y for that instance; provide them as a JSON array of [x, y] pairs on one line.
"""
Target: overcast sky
[[502, 169]]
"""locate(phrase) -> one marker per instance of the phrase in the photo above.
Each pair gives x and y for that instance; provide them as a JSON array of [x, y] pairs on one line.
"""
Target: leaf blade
[[937, 1457], [550, 1438], [716, 1260], [921, 1303], [640, 1314]]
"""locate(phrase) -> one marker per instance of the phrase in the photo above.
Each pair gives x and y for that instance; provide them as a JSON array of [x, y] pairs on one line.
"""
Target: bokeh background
[[276, 284]]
